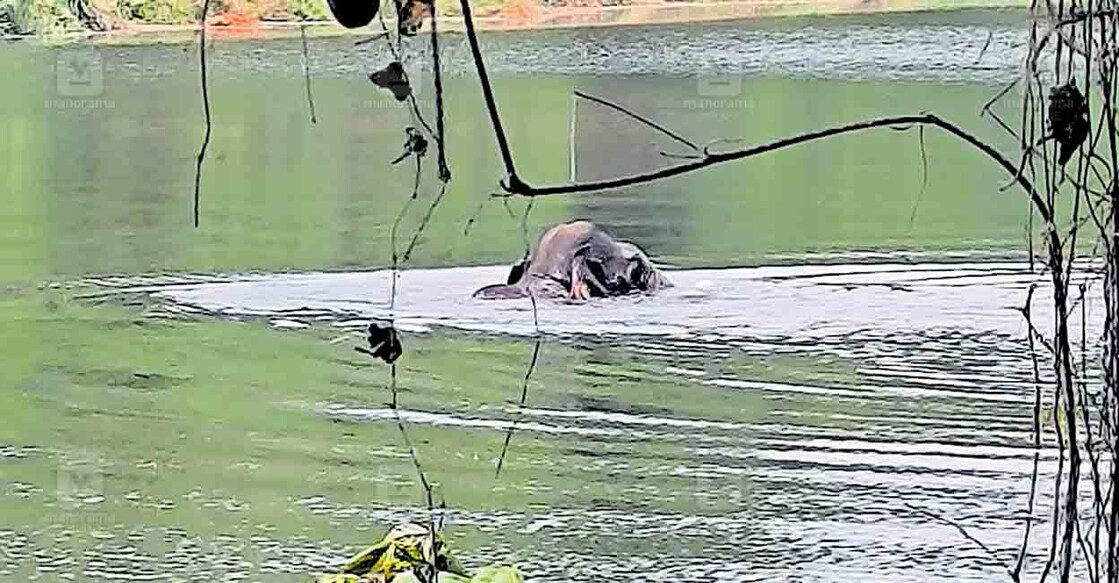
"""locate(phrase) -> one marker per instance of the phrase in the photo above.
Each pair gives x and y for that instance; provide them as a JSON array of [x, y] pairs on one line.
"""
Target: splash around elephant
[[578, 261]]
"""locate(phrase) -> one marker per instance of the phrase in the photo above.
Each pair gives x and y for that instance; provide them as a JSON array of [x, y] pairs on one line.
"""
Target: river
[[839, 374]]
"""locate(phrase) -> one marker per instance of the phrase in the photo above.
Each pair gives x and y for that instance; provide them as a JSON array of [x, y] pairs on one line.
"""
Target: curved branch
[[487, 91], [514, 185], [524, 189]]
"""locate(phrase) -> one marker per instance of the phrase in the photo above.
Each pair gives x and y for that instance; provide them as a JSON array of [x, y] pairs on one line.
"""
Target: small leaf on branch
[[1068, 119], [414, 144], [412, 14], [384, 343]]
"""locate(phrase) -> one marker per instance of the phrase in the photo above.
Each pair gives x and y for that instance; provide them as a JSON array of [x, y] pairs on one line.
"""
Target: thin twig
[[924, 175], [474, 215], [963, 531], [986, 45], [307, 72], [640, 118], [440, 137], [424, 221], [571, 155], [205, 109], [986, 109], [537, 344], [1019, 562], [412, 454], [373, 38]]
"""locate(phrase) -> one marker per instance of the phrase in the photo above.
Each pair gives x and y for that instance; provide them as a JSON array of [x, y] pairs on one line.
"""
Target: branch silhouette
[[513, 184], [205, 109]]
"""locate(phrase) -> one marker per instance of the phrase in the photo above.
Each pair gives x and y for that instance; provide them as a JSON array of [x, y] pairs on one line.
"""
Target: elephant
[[578, 261]]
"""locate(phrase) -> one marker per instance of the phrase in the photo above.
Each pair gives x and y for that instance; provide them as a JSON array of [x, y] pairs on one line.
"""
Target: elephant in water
[[578, 261]]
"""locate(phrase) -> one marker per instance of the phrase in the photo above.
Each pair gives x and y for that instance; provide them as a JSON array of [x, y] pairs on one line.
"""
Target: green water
[[104, 184], [207, 429]]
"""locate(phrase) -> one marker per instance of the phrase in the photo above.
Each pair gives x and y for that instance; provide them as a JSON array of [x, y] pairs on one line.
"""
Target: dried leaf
[[414, 144], [393, 78], [413, 14], [1068, 119], [384, 343]]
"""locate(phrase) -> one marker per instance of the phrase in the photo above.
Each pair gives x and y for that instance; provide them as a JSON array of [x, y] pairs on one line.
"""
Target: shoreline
[[544, 18]]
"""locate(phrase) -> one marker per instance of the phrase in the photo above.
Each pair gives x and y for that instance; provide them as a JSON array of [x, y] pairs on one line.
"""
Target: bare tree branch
[[515, 186], [206, 110], [307, 72]]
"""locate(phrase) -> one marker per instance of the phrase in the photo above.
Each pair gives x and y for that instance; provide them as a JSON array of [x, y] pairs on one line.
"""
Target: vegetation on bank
[[45, 17], [29, 17], [54, 16]]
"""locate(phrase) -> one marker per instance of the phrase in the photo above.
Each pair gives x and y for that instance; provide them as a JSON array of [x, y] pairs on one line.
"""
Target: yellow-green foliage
[[309, 9], [46, 17], [41, 16], [158, 11]]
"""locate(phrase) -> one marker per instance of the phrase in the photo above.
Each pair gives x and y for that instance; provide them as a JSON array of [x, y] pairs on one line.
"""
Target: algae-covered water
[[841, 354]]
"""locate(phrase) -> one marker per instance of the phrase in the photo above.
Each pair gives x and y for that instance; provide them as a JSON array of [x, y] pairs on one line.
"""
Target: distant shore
[[528, 15]]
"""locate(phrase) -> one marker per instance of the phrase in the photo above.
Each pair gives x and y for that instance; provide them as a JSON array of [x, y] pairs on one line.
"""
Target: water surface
[[841, 360]]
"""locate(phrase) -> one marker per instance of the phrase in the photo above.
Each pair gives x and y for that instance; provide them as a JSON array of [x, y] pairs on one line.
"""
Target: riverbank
[[513, 15]]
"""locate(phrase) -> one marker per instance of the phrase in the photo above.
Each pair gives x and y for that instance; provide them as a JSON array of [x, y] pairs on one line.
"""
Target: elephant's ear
[[517, 272], [643, 276]]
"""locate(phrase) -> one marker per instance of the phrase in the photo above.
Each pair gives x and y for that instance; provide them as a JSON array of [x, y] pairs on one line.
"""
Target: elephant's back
[[556, 248]]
